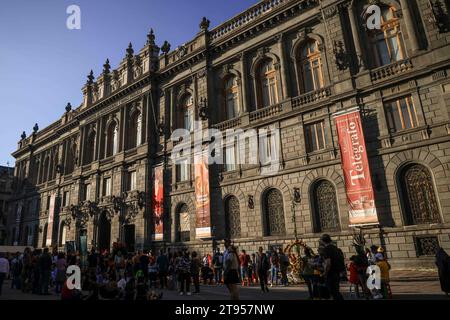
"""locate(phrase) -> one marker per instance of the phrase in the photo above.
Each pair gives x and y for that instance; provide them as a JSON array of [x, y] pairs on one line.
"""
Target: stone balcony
[[390, 70]]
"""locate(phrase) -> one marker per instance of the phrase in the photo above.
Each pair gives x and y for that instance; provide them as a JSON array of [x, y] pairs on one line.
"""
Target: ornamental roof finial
[[130, 51], [151, 37], [165, 47], [204, 24], [90, 77], [106, 67]]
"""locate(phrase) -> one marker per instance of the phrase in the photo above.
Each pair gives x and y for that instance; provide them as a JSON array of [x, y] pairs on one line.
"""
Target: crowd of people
[[144, 274]]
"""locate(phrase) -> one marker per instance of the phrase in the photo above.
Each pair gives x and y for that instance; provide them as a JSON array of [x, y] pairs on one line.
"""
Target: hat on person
[[380, 250], [326, 238], [379, 256]]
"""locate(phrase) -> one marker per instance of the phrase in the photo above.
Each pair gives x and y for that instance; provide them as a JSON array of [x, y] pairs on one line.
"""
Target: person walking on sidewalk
[[45, 266], [195, 271], [230, 272], [4, 269], [262, 268], [243, 261], [443, 265], [218, 265], [334, 265]]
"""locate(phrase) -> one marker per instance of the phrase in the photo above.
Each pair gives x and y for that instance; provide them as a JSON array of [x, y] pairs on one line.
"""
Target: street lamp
[[296, 199]]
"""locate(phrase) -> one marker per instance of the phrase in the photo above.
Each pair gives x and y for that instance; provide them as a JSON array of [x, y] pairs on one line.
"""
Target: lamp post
[[296, 199]]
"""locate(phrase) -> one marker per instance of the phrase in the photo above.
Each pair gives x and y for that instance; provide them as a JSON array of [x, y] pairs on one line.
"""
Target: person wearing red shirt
[[243, 262]]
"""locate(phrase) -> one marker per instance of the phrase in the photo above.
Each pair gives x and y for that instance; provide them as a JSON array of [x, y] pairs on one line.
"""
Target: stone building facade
[[6, 187], [282, 64]]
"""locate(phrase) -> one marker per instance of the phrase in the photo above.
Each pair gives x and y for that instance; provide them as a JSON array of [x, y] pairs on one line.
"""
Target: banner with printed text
[[202, 196], [158, 203], [355, 165], [51, 216]]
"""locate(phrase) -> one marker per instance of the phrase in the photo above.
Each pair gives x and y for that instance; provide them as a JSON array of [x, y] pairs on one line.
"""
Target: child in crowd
[[384, 272], [354, 278]]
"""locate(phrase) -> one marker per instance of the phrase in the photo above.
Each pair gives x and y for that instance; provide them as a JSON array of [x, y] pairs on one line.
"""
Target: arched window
[[44, 174], [104, 232], [62, 234], [326, 217], [231, 97], [183, 233], [419, 196], [112, 139], [267, 82], [232, 218], [310, 66], [387, 43], [274, 213], [135, 138], [187, 113], [69, 160], [90, 148]]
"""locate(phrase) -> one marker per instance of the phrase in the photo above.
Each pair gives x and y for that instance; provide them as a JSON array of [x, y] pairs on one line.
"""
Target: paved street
[[405, 285]]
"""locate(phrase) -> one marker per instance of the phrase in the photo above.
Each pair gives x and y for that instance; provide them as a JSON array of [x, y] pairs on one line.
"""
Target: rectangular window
[[401, 114], [231, 157], [131, 180], [107, 186], [87, 192], [183, 170], [314, 136], [48, 203], [268, 148], [66, 199]]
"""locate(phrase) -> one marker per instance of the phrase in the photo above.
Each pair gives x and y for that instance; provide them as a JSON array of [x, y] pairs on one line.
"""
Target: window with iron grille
[[233, 219], [426, 246]]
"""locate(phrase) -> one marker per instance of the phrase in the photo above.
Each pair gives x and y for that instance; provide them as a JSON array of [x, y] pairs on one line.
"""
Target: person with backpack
[[16, 271], [284, 264], [262, 268], [275, 267], [218, 264], [334, 266]]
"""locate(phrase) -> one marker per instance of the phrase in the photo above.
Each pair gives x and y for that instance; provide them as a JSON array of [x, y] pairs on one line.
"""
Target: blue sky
[[43, 65]]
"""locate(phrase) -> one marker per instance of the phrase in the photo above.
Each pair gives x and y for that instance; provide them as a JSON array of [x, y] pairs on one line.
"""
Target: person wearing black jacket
[[262, 268], [45, 267], [333, 266]]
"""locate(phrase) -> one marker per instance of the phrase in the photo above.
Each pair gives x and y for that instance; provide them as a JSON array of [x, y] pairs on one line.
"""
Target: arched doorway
[[183, 233], [129, 231], [419, 197], [274, 213], [103, 233]]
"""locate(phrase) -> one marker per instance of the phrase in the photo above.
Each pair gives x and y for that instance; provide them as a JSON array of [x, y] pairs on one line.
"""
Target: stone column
[[99, 139], [243, 65], [172, 107], [355, 34], [284, 71], [123, 128], [410, 25]]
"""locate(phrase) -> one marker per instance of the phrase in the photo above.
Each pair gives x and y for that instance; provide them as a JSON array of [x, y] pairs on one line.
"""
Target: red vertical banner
[[355, 165], [158, 203], [51, 215], [202, 196]]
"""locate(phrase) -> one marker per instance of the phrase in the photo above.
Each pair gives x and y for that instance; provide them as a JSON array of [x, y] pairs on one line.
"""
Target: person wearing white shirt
[[4, 270]]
